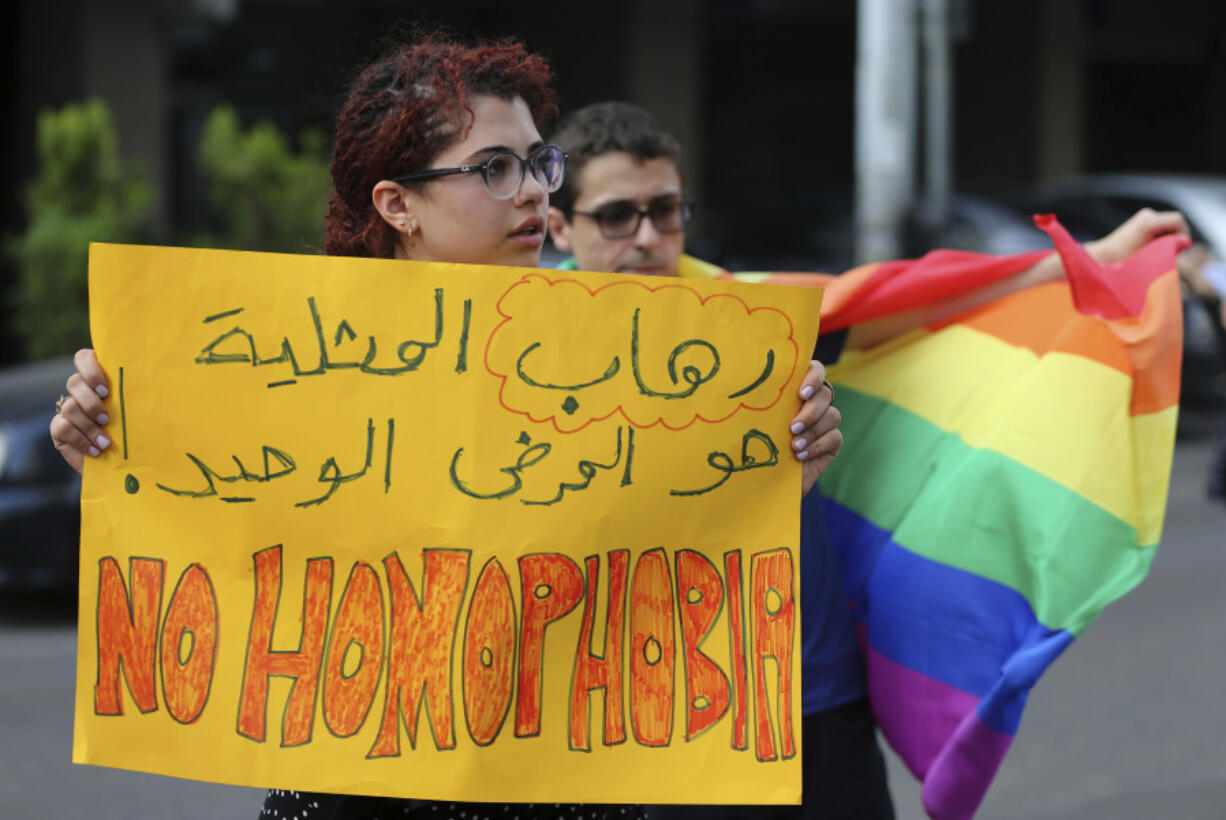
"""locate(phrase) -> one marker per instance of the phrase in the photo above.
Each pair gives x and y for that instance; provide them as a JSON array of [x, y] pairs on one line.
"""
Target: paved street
[[1128, 724]]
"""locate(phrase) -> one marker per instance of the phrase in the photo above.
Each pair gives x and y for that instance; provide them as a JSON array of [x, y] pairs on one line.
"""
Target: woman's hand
[[816, 439], [77, 429]]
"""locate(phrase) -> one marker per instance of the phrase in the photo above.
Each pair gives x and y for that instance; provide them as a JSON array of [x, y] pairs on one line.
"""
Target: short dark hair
[[602, 128]]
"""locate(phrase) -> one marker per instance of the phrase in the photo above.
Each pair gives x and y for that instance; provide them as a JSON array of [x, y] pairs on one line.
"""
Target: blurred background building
[[762, 94]]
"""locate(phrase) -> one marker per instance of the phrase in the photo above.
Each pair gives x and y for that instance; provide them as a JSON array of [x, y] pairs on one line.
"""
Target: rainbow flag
[[1003, 478]]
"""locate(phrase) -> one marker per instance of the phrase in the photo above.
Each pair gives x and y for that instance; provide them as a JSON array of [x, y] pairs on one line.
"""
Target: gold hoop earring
[[412, 244]]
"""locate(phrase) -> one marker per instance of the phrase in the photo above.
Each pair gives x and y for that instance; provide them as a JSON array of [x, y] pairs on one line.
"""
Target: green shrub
[[83, 193], [262, 195]]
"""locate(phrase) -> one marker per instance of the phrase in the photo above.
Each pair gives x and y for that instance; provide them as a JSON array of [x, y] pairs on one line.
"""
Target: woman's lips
[[530, 233]]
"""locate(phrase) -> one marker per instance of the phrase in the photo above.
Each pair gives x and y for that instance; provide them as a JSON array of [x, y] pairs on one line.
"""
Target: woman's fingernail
[[102, 391], [93, 451], [806, 392], [103, 442], [103, 418], [802, 455], [797, 426], [799, 444]]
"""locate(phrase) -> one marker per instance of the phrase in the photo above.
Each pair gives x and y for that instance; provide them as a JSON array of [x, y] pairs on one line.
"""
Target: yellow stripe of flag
[[1007, 399]]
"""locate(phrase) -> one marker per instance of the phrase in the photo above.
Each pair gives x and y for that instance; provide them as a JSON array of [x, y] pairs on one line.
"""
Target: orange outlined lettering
[[350, 682], [489, 654], [191, 619], [423, 637], [341, 655], [302, 664], [736, 640], [551, 585], [772, 613], [128, 633], [700, 592], [652, 650], [607, 670]]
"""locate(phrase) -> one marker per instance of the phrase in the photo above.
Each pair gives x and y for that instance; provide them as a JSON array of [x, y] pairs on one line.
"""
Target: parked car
[[40, 511], [1090, 206]]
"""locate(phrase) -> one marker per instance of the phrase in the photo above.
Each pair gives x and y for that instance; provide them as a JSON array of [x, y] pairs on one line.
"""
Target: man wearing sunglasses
[[622, 207]]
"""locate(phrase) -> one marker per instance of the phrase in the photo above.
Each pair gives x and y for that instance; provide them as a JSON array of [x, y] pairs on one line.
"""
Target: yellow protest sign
[[443, 531]]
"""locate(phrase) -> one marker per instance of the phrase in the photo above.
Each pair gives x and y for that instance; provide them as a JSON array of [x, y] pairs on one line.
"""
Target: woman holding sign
[[438, 157]]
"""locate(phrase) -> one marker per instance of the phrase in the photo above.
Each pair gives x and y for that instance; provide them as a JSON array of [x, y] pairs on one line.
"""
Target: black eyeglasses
[[548, 164], [623, 218]]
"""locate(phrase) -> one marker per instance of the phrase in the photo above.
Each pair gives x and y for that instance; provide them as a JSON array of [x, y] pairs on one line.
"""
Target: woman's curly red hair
[[405, 109]]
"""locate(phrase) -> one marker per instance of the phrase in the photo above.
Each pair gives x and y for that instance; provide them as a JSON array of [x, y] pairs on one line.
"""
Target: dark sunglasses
[[623, 218]]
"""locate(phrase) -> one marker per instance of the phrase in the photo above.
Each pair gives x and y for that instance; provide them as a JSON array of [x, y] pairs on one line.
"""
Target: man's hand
[[1135, 233], [816, 438]]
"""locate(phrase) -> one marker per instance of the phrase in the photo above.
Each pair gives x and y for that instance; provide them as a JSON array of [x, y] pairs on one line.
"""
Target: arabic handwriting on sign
[[609, 373], [723, 462], [330, 472], [532, 454], [756, 383], [691, 375], [285, 461], [587, 469], [279, 464], [410, 353], [461, 358], [535, 453]]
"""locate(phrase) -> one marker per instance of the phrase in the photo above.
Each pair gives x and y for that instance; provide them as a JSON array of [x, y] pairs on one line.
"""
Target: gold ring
[[59, 404]]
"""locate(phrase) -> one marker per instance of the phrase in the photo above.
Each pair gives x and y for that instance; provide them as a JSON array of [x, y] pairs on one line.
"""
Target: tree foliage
[[262, 195], [83, 193]]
